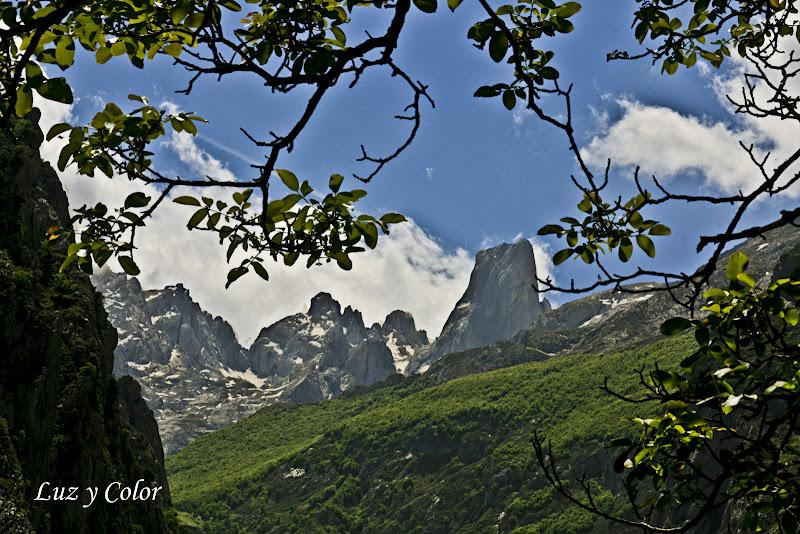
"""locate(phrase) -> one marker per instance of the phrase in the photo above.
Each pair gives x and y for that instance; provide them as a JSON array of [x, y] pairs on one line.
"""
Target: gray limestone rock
[[500, 300], [371, 362], [307, 390], [196, 376]]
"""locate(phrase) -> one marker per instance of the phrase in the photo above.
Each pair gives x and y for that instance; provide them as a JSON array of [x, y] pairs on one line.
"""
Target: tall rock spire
[[501, 299]]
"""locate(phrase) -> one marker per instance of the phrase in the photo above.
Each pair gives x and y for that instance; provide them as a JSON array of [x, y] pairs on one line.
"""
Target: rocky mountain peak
[[401, 337], [353, 324], [402, 324], [324, 304], [500, 300]]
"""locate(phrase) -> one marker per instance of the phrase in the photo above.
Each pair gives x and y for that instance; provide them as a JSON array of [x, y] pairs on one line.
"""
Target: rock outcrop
[[197, 378], [500, 300], [64, 419], [402, 337], [328, 351]]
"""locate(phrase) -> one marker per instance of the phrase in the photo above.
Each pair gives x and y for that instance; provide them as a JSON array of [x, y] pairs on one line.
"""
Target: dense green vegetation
[[447, 458]]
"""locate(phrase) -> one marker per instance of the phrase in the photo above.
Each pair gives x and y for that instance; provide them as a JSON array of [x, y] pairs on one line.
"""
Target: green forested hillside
[[453, 457]]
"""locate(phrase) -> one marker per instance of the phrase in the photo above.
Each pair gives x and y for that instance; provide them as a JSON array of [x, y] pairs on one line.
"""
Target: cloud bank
[[409, 269], [667, 143]]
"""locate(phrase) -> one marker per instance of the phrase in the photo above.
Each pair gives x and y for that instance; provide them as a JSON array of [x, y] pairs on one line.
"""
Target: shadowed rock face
[[402, 324], [64, 419], [501, 299]]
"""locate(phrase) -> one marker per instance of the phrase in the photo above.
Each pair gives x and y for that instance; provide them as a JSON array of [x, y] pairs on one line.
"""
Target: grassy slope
[[470, 468]]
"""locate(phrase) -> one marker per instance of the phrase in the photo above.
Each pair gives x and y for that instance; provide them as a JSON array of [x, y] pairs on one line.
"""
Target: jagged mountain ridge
[[197, 377], [447, 452]]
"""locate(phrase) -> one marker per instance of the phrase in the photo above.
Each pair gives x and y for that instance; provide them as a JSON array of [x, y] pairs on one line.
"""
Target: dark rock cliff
[[62, 420]]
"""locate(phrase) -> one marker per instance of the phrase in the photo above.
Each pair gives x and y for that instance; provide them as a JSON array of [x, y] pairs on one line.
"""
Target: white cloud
[[667, 143], [408, 270], [197, 159], [519, 116], [429, 172], [544, 259]]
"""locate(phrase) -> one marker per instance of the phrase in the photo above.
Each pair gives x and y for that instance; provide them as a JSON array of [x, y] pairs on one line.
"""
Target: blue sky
[[477, 174]]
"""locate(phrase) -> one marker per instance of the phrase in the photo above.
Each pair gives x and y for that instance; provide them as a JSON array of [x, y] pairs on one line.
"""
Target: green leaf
[[290, 258], [625, 250], [670, 66], [231, 4], [335, 182], [234, 274], [660, 229], [186, 201], [791, 317], [341, 38], [549, 73], [65, 51], [344, 261], [172, 49], [137, 98], [509, 100], [736, 265], [57, 90], [392, 218], [197, 218], [137, 200], [562, 256], [550, 229], [427, 6], [486, 91], [58, 129], [585, 205], [674, 326], [746, 279], [103, 54], [34, 75], [194, 20], [453, 4], [498, 46], [260, 270], [370, 233], [24, 101], [572, 238], [128, 265], [65, 155], [289, 179], [646, 244], [568, 9]]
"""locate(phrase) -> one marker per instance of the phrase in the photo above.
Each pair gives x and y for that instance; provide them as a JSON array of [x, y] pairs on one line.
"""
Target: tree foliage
[[728, 433], [732, 403], [286, 45]]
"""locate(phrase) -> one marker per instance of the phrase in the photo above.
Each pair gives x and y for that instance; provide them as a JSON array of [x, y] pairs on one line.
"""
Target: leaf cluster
[[727, 432], [509, 32], [606, 227]]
